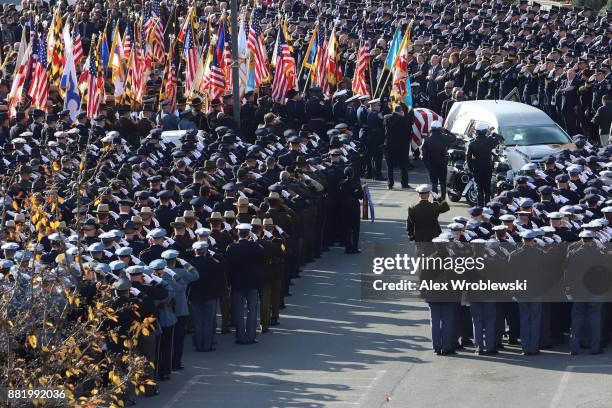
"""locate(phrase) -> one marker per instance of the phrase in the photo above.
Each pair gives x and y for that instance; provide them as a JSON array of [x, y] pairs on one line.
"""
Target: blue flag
[[366, 190]]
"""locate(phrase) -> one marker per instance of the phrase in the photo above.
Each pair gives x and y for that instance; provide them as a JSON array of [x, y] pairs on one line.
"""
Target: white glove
[[156, 278], [279, 229], [285, 194], [147, 279], [134, 291], [267, 234], [170, 272], [181, 261]]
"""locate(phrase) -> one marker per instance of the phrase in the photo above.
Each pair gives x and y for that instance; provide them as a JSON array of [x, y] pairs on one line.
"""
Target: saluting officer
[[422, 222]]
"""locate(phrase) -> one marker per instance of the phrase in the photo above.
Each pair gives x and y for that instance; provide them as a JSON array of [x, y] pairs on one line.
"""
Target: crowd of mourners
[[222, 218]]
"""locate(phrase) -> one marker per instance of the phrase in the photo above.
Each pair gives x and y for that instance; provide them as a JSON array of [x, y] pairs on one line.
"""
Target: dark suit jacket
[[422, 222], [398, 130], [245, 260]]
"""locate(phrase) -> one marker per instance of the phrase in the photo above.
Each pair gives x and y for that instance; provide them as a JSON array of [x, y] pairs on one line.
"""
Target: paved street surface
[[334, 350]]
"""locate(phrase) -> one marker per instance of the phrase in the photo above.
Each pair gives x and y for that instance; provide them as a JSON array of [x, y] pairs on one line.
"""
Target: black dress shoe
[[406, 186], [438, 352], [274, 323], [449, 352], [480, 352], [597, 352], [178, 367], [390, 187], [573, 353], [492, 352], [265, 330], [513, 342]]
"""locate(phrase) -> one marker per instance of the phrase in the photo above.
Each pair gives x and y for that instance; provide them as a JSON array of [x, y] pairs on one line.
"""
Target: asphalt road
[[334, 350]]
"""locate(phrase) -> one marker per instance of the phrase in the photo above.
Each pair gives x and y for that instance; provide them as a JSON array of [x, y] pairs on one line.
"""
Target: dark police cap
[[198, 201], [187, 193], [230, 187], [545, 190], [164, 194]]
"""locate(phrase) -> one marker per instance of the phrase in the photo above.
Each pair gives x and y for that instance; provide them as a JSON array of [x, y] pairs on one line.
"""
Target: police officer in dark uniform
[[37, 126], [480, 160], [20, 126], [435, 156], [248, 123], [375, 139], [422, 222]]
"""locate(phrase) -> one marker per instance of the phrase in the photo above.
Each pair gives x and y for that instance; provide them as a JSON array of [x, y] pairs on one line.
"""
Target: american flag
[[216, 79], [95, 85], [155, 31], [257, 49], [39, 87], [227, 56], [359, 78], [191, 60], [78, 46], [127, 40], [133, 90], [284, 75]]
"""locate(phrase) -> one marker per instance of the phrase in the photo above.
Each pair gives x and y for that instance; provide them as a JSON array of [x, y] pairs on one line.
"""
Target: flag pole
[[235, 62]]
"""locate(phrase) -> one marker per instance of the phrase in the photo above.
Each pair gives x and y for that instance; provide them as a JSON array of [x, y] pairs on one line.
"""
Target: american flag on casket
[[423, 118]]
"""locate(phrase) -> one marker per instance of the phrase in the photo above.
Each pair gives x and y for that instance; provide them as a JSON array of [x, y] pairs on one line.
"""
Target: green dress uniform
[[422, 222]]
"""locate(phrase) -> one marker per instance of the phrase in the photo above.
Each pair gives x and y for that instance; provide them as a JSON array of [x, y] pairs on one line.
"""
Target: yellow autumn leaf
[[56, 166], [90, 314], [32, 341], [82, 166], [141, 388], [145, 331], [150, 382], [94, 391], [127, 343], [15, 205]]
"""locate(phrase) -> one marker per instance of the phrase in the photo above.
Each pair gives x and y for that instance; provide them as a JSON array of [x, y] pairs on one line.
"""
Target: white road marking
[[558, 396], [183, 390], [363, 391]]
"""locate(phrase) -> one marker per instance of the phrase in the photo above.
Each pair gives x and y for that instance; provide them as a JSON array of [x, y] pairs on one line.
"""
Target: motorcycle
[[460, 182]]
